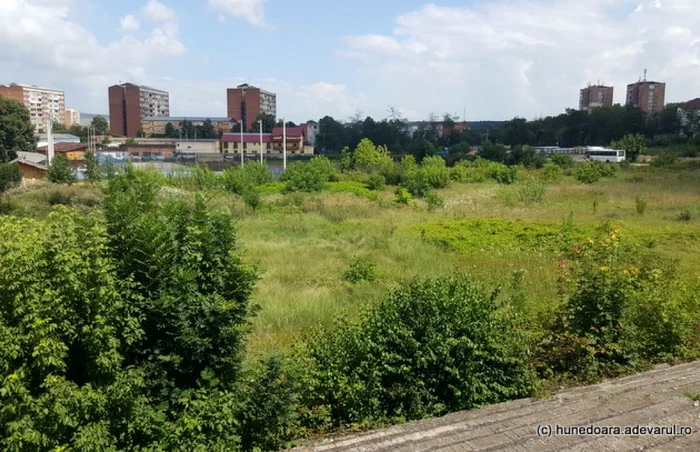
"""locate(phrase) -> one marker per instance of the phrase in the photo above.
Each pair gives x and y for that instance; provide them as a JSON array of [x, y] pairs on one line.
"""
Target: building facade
[[649, 96], [272, 143], [594, 96], [245, 103], [311, 129], [154, 125], [72, 117], [44, 104], [129, 104]]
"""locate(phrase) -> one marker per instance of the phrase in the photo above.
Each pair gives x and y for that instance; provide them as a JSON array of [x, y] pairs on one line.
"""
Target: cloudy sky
[[493, 59]]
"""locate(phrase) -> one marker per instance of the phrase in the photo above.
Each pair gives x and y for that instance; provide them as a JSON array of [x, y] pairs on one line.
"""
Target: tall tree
[[332, 135], [16, 130], [59, 127], [170, 131], [268, 122], [100, 124], [92, 170], [60, 171]]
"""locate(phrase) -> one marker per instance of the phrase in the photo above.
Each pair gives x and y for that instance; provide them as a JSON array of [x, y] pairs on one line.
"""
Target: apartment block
[[72, 117], [44, 104], [594, 96], [155, 125], [649, 96], [246, 102], [129, 104]]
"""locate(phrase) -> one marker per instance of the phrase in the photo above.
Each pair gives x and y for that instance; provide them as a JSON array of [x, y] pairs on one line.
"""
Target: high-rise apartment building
[[129, 104], [594, 96], [44, 104], [72, 117], [649, 96], [245, 103]]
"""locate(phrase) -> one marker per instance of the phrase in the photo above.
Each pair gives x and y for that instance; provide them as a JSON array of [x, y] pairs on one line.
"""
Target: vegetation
[[16, 131], [384, 291], [10, 176], [60, 170]]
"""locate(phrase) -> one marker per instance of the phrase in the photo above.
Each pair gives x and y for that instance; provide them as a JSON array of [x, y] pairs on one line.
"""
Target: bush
[[665, 159], [686, 215], [640, 205], [361, 270], [467, 172], [431, 347], [501, 173], [402, 196], [608, 170], [308, 177], [417, 183], [563, 160], [10, 176], [436, 172], [241, 179], [60, 171], [587, 173], [434, 200], [531, 191], [376, 181], [552, 172], [252, 198], [615, 315]]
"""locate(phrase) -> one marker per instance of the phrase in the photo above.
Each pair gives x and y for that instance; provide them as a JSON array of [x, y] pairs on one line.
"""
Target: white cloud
[[158, 12], [129, 23], [529, 57], [71, 58], [250, 10]]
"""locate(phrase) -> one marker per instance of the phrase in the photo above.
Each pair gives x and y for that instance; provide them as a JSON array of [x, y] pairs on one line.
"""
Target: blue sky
[[494, 59]]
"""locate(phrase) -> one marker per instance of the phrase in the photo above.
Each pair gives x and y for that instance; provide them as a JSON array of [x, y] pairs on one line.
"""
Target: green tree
[[268, 122], [16, 130], [100, 124], [60, 170], [367, 156], [170, 131], [59, 127], [632, 144], [10, 176], [79, 131], [92, 169]]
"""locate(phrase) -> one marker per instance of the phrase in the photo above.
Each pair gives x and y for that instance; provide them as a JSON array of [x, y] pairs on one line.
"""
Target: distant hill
[[86, 118]]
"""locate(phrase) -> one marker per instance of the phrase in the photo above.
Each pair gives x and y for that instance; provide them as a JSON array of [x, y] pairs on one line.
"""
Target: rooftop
[[64, 147], [187, 118], [247, 138], [42, 88], [59, 136]]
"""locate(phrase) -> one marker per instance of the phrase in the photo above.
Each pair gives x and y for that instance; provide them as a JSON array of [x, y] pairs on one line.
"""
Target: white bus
[[599, 154]]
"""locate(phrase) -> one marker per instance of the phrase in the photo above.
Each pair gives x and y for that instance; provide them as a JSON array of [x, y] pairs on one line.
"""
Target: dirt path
[[654, 398]]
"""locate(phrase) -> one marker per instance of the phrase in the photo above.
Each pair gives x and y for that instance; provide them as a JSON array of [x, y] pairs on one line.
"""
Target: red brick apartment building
[[247, 102], [129, 104]]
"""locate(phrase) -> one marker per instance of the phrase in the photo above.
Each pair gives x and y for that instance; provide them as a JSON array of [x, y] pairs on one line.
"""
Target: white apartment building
[[154, 102], [44, 104]]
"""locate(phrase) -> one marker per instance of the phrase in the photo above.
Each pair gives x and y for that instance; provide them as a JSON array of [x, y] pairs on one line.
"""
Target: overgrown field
[[387, 287]]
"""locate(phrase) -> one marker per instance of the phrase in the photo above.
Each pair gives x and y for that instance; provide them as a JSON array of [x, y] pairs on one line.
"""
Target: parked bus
[[599, 154]]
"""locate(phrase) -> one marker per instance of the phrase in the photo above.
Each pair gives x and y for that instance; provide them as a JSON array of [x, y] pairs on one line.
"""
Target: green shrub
[[58, 197], [665, 159], [466, 172], [501, 173], [607, 170], [431, 347], [640, 205], [10, 176], [587, 172], [361, 270], [356, 188], [60, 171], [686, 215], [436, 172], [530, 191], [434, 200], [563, 160], [308, 177], [417, 183], [376, 181], [241, 179], [552, 172], [204, 178], [252, 198], [402, 196]]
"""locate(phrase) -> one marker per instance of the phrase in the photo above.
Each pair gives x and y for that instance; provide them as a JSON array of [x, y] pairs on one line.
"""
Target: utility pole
[[49, 147], [284, 145], [242, 162], [261, 144]]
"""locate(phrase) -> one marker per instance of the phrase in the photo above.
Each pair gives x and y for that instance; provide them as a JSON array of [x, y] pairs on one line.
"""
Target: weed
[[640, 205], [434, 201], [686, 215], [361, 270]]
